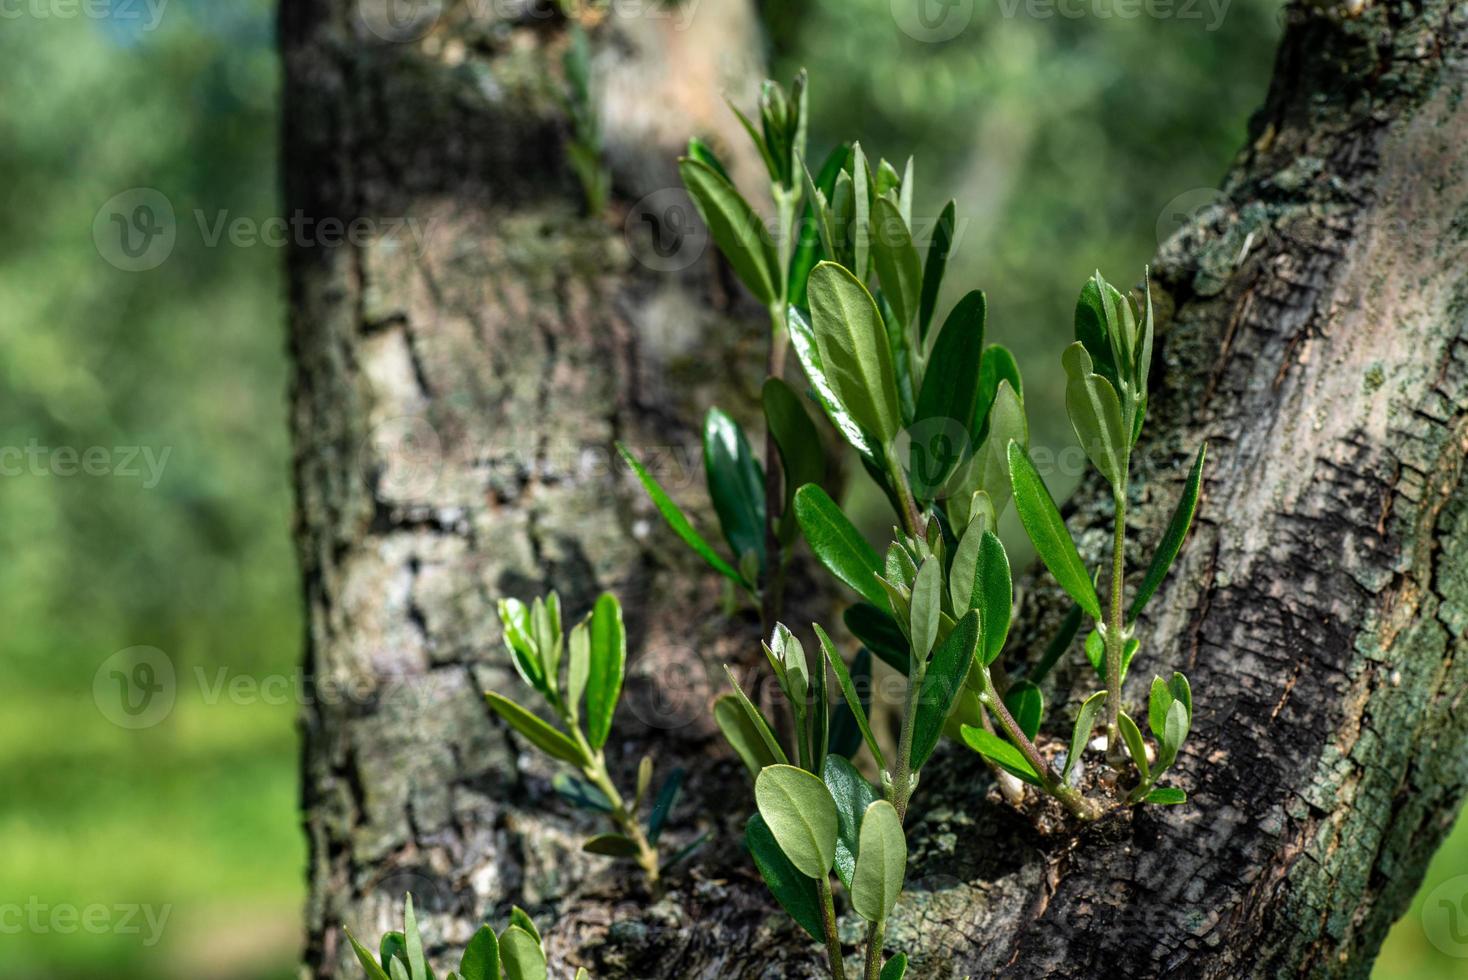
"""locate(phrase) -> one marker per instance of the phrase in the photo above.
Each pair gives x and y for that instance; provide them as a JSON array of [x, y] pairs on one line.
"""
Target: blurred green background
[[1070, 144]]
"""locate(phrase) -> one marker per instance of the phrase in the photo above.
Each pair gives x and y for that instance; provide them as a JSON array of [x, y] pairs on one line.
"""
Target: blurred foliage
[[1063, 139]]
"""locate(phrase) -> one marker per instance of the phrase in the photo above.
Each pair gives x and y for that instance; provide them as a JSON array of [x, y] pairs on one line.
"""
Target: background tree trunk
[[454, 409]]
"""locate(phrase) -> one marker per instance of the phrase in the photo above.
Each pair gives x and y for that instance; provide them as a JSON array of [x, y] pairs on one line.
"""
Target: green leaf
[[413, 942], [849, 727], [742, 734], [899, 269], [993, 595], [879, 633], [704, 154], [987, 471], [1094, 409], [1135, 747], [611, 845], [578, 792], [952, 381], [848, 690], [663, 805], [521, 955], [801, 454], [926, 604], [807, 351], [838, 544], [398, 970], [816, 233], [394, 946], [515, 617], [853, 344], [736, 485], [1000, 752], [1158, 701], [997, 367], [1167, 796], [519, 917], [895, 968], [756, 720], [1043, 524], [963, 573], [676, 519], [735, 228], [578, 673], [1091, 329], [797, 893], [801, 814], [945, 676], [1173, 537], [936, 264], [1174, 734], [853, 794], [686, 852], [860, 233], [369, 965], [881, 863], [540, 734], [481, 959], [1096, 653], [1183, 692], [1027, 705], [608, 667], [1081, 734]]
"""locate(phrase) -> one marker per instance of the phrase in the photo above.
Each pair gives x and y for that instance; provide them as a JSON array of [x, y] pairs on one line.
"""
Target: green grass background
[[1064, 141]]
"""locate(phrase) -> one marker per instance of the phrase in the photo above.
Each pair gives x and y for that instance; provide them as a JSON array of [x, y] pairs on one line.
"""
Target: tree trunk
[[1313, 327]]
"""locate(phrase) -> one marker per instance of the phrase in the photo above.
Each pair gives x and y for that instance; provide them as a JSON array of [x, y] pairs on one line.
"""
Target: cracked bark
[[454, 407]]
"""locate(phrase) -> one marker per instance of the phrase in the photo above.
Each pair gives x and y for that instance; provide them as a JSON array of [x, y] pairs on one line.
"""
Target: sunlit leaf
[[1081, 735], [1001, 753], [838, 544], [735, 227], [539, 733], [608, 667], [853, 344], [881, 863], [1046, 529], [899, 269], [853, 794], [678, 521]]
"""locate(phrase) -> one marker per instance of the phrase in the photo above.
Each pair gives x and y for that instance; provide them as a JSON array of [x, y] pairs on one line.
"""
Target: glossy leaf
[[540, 734], [802, 456], [1000, 752], [1167, 796], [879, 633], [803, 342], [364, 958], [736, 485], [678, 521], [611, 845], [935, 265], [704, 154], [394, 946], [578, 671], [735, 228], [1027, 706], [838, 544], [1046, 529], [481, 959], [663, 805], [801, 814], [853, 794], [1158, 701], [993, 596], [945, 676], [398, 970], [1173, 537], [895, 968], [997, 367], [1135, 746], [1091, 329], [881, 863], [1182, 691], [1096, 653], [521, 956], [926, 605], [797, 893], [756, 720], [899, 269], [1094, 409], [1081, 735], [742, 734], [1174, 734], [519, 917], [853, 344], [608, 667], [515, 618], [413, 942], [951, 383]]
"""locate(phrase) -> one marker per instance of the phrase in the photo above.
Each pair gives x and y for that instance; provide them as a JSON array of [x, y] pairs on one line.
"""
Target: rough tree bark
[[1313, 327]]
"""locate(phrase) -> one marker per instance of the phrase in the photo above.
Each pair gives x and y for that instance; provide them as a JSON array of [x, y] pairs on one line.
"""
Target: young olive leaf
[[818, 220], [1094, 409], [1081, 734], [904, 192], [1159, 699], [820, 714], [795, 670], [757, 720], [736, 484], [481, 959], [899, 599], [898, 566], [663, 805], [849, 726], [704, 154], [742, 734], [579, 793], [1092, 331], [861, 223], [1183, 692], [853, 794], [797, 893], [413, 942], [1046, 529], [843, 210], [927, 603], [735, 228], [900, 354], [521, 956], [1167, 796], [549, 740], [997, 367], [881, 863], [755, 137], [963, 573], [1174, 733], [578, 671], [398, 970], [1135, 746], [1001, 753], [895, 968], [1173, 537], [807, 351], [1095, 648], [801, 814], [394, 946], [854, 352], [952, 382], [935, 264], [608, 667], [987, 471], [1027, 706], [519, 917], [685, 852], [1144, 348], [887, 181], [545, 624], [801, 454], [993, 596], [515, 617], [899, 269], [369, 965], [879, 633], [838, 544], [678, 521], [611, 845], [944, 678]]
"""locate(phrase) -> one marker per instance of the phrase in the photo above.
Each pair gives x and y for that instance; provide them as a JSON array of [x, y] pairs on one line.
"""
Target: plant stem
[[626, 821], [900, 791], [1068, 796], [875, 933], [772, 596], [828, 923], [909, 510], [1115, 640]]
